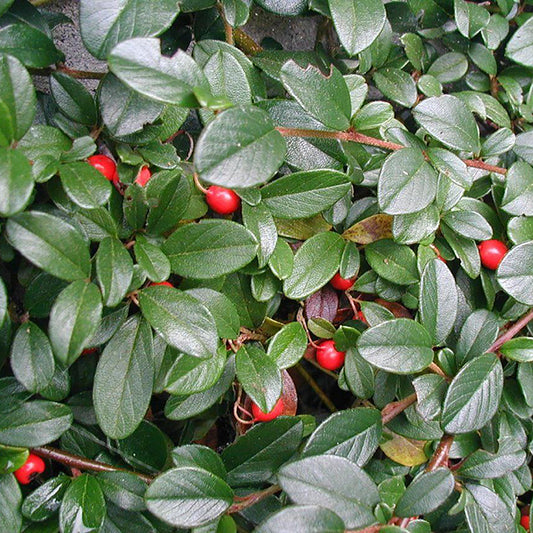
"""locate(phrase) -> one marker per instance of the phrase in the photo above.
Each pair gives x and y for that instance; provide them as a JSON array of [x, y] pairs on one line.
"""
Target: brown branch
[[441, 455], [354, 136], [79, 74], [82, 463], [228, 30], [393, 409], [246, 43], [512, 331], [247, 501]]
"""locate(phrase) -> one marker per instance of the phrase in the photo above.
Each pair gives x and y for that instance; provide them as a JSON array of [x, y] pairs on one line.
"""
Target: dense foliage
[[328, 349]]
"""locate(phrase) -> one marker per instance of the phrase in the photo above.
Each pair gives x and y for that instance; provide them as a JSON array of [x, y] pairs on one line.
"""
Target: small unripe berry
[[33, 466], [340, 283], [221, 200], [143, 177], [105, 165], [328, 357], [261, 416], [491, 253]]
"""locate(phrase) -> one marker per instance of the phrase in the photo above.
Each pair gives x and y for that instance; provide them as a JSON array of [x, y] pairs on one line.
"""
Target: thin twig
[[79, 74], [252, 499], [316, 387], [436, 369], [199, 186], [441, 455], [82, 463], [393, 409], [228, 29], [512, 331], [246, 43]]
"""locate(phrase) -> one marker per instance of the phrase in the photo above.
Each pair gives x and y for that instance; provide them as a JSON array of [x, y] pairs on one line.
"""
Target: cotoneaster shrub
[[324, 347]]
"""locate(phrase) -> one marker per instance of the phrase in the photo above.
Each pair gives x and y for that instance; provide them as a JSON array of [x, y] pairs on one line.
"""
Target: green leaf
[[239, 148], [3, 302], [183, 407], [45, 501], [518, 195], [325, 97], [308, 518], [258, 220], [284, 7], [51, 244], [139, 64], [152, 260], [468, 224], [358, 23], [407, 183], [210, 248], [515, 273], [11, 498], [334, 483], [17, 100], [32, 360], [258, 454], [426, 493], [16, 181], [520, 46], [259, 376], [465, 249], [236, 11], [124, 489], [74, 319], [281, 261], [451, 166], [168, 194], [397, 85], [485, 465], [400, 346], [288, 345], [200, 456], [473, 396], [85, 185], [114, 269], [430, 391], [191, 375], [352, 433], [223, 311], [124, 379], [470, 18], [319, 256], [394, 262], [449, 67], [188, 497], [486, 511], [83, 507], [438, 301], [104, 24], [73, 99], [448, 120], [180, 319], [304, 194], [518, 349], [29, 45], [34, 423], [478, 332]]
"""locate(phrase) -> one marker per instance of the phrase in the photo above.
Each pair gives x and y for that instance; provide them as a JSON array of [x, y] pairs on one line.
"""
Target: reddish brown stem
[[354, 136], [247, 501], [512, 331], [441, 455], [393, 409], [79, 74], [82, 463]]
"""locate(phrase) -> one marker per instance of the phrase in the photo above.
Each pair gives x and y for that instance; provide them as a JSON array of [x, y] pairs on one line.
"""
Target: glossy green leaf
[[188, 497], [180, 319], [518, 190], [397, 85], [487, 511], [16, 181], [73, 99], [473, 396], [45, 501], [209, 249], [319, 256], [32, 360], [520, 46], [85, 185], [477, 334], [288, 345], [518, 349], [309, 518], [485, 465], [239, 148], [124, 379], [74, 318], [400, 346], [152, 260], [199, 456], [394, 262], [11, 498], [258, 220], [515, 273], [51, 244], [468, 224], [124, 489]]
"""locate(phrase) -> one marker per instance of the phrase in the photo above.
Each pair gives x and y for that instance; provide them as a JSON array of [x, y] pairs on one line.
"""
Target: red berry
[[524, 521], [261, 416], [33, 466], [105, 165], [362, 317], [143, 177], [165, 283], [222, 201], [89, 351], [328, 356], [492, 252], [340, 283]]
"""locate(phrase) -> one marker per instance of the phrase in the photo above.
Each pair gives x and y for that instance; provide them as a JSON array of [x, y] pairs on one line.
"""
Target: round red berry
[[524, 521], [261, 416], [340, 283], [328, 357], [33, 466], [491, 253], [164, 283], [143, 177], [222, 201], [105, 165], [89, 351]]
